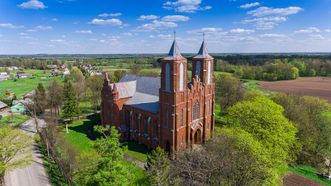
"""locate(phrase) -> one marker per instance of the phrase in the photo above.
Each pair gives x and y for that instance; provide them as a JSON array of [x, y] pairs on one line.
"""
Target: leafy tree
[[229, 90], [55, 96], [70, 107], [158, 167], [233, 157], [106, 168], [263, 119], [14, 149], [39, 99], [310, 115], [94, 85]]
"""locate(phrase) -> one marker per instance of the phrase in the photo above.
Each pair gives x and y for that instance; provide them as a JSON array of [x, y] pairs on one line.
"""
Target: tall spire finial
[[203, 36], [174, 34]]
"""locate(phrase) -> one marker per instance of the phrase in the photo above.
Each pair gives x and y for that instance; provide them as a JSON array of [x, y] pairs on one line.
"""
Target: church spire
[[203, 52], [174, 52]]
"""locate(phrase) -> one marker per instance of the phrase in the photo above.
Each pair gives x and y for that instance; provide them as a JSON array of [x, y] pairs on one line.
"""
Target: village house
[[166, 111]]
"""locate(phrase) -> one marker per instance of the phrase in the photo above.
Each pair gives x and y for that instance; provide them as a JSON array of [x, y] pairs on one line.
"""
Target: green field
[[309, 172], [22, 86], [13, 120]]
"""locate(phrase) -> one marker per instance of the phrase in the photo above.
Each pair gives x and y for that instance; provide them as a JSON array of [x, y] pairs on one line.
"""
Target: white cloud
[[175, 18], [273, 35], [265, 23], [205, 30], [40, 28], [33, 4], [250, 5], [10, 26], [106, 22], [267, 11], [161, 36], [57, 41], [327, 30], [147, 17], [267, 18], [316, 37], [83, 31], [241, 31], [188, 6], [23, 34], [110, 14], [156, 25], [54, 19], [127, 34], [308, 30]]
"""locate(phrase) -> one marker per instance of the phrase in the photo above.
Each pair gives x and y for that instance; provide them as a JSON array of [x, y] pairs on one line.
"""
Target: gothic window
[[181, 77], [167, 118], [197, 68], [196, 110], [209, 72], [145, 126], [167, 77], [182, 118]]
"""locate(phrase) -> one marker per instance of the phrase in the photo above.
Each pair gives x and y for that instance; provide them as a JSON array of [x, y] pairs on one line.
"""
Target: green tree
[[14, 149], [158, 167], [229, 90], [39, 99], [106, 168], [233, 157], [263, 119], [70, 107]]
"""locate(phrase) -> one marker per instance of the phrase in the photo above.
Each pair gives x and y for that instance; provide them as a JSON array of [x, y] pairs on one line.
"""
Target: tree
[[158, 167], [309, 114], [263, 119], [70, 107], [39, 99], [229, 91], [55, 97], [78, 82], [233, 157], [14, 149], [107, 168], [94, 85]]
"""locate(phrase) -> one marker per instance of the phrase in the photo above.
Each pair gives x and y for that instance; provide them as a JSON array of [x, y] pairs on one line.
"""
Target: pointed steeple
[[174, 52], [203, 52]]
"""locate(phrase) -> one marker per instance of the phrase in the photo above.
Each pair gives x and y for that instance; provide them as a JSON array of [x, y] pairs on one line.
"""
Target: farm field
[[312, 86]]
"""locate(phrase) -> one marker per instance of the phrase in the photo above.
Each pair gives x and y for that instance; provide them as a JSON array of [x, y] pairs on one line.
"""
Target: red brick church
[[166, 111]]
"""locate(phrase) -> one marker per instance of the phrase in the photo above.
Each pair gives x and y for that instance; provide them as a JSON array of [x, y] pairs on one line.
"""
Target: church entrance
[[197, 137]]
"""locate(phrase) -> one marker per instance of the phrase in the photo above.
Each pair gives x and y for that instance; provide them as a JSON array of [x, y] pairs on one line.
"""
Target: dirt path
[[296, 180], [34, 174], [135, 161]]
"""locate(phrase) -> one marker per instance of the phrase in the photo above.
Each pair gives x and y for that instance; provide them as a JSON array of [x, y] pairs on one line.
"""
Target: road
[[34, 174]]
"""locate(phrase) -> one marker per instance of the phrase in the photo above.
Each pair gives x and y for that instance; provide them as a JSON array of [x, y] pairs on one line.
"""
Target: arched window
[[197, 68], [196, 110], [209, 72], [181, 77], [167, 77]]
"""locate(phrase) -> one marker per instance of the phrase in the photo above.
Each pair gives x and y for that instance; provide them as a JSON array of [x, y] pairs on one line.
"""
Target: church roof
[[174, 52], [143, 91], [203, 52]]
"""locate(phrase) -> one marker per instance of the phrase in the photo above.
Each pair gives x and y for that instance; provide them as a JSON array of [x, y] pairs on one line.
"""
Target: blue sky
[[146, 26]]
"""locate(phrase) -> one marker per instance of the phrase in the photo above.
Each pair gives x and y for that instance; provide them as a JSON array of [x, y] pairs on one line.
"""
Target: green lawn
[[22, 86], [137, 151], [14, 120], [78, 136], [309, 172]]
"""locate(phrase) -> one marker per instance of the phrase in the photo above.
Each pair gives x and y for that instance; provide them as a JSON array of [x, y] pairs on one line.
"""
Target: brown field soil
[[311, 86]]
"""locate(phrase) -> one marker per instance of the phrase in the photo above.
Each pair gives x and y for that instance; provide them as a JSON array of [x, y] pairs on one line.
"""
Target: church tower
[[173, 100], [106, 102], [203, 67]]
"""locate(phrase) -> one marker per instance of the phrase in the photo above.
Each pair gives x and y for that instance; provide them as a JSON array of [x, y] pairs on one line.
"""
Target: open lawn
[[312, 86], [22, 86], [14, 120]]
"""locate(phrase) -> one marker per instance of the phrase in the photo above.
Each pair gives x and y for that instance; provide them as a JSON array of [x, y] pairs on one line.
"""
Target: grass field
[[309, 172], [13, 120], [22, 86]]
